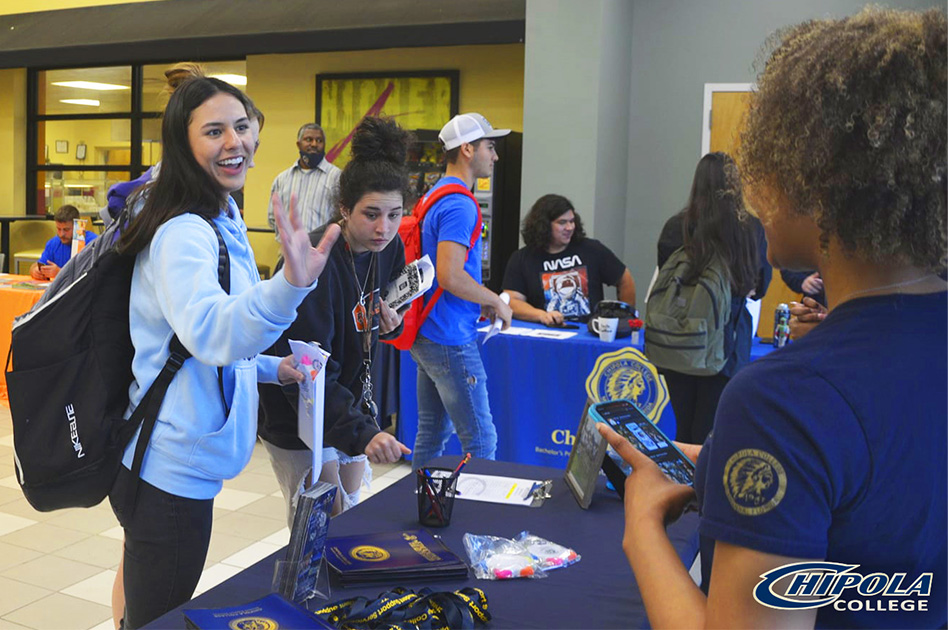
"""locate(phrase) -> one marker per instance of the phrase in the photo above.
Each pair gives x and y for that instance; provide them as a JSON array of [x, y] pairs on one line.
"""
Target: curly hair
[[849, 125], [537, 226]]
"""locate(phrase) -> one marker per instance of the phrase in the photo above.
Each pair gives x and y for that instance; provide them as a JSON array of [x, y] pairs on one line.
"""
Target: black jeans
[[695, 401], [166, 540]]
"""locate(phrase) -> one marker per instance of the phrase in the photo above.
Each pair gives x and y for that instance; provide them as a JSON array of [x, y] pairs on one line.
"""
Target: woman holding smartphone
[[832, 448], [346, 315], [206, 427]]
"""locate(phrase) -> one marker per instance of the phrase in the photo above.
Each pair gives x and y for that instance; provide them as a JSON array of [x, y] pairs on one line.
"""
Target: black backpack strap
[[146, 413], [223, 276]]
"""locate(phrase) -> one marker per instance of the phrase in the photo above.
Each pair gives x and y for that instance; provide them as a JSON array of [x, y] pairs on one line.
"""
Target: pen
[[463, 463], [432, 496]]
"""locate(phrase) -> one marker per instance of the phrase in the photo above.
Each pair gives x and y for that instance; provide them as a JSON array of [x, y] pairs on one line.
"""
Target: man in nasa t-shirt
[[566, 278]]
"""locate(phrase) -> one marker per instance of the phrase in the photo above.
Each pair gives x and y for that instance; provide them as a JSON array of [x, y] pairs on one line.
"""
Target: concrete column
[[577, 70]]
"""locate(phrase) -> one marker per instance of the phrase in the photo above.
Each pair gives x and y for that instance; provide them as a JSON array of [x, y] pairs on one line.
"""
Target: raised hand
[[302, 262]]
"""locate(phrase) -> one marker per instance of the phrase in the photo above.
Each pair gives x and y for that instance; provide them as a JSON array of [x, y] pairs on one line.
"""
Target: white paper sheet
[[494, 489], [311, 361], [498, 323], [549, 333]]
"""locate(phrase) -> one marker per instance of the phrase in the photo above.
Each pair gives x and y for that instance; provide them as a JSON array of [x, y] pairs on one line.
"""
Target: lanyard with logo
[[403, 608], [364, 316]]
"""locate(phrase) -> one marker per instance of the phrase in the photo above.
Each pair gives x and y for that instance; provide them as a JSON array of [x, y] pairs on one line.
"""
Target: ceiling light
[[80, 101], [91, 85], [233, 79]]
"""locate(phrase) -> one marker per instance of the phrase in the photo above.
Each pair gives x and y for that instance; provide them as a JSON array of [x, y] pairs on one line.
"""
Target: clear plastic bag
[[495, 558], [549, 554]]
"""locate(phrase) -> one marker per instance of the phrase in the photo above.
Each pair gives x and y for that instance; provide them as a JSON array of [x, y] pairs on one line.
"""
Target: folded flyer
[[416, 278], [311, 361]]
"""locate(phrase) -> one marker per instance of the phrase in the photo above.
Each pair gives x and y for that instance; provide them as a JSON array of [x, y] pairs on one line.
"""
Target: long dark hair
[[379, 152], [182, 185], [715, 223], [538, 224]]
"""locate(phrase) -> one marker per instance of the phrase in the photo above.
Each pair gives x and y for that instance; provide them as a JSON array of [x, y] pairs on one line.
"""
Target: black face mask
[[312, 160]]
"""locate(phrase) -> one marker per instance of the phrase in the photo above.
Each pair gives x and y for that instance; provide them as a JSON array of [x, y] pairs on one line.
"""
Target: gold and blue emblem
[[754, 482], [627, 373], [369, 553], [253, 623]]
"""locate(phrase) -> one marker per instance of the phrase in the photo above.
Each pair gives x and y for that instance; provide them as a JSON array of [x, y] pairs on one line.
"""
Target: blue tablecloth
[[537, 390], [597, 592]]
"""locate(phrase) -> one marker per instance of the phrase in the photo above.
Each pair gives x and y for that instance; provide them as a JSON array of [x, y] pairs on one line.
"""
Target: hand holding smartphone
[[628, 421]]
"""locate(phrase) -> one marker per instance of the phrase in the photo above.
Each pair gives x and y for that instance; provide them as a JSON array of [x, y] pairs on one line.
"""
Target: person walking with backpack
[[452, 383], [346, 315], [189, 242], [716, 253]]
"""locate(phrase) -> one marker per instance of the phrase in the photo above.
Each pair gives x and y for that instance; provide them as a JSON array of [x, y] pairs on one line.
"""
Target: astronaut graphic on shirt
[[567, 292]]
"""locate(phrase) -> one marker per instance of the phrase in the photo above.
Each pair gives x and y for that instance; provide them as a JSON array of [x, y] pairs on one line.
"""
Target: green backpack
[[685, 325]]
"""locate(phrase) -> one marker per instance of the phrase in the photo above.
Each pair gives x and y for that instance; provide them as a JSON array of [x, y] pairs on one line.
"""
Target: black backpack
[[68, 386]]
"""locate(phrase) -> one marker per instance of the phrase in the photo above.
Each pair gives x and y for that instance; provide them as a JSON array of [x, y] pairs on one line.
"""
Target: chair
[[27, 256]]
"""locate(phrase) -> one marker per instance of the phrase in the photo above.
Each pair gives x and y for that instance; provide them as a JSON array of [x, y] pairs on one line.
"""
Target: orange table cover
[[18, 294]]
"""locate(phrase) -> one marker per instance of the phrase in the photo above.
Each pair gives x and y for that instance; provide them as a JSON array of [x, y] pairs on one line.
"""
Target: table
[[537, 391], [14, 301], [597, 592], [5, 222]]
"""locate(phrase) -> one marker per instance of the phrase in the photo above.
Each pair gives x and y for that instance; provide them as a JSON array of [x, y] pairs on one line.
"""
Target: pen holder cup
[[436, 492]]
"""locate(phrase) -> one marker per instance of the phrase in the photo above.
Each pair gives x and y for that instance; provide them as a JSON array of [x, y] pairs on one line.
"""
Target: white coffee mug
[[606, 327]]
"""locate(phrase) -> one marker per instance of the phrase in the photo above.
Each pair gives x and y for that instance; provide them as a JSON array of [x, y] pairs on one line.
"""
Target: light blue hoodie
[[175, 289]]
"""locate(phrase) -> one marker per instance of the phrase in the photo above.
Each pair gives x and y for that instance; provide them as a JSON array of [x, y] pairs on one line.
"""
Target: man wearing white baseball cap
[[452, 384]]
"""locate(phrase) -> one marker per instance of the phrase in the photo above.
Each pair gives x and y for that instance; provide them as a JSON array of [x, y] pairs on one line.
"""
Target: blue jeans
[[452, 389]]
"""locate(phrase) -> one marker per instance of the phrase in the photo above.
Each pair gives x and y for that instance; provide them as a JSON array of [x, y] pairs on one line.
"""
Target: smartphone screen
[[626, 420]]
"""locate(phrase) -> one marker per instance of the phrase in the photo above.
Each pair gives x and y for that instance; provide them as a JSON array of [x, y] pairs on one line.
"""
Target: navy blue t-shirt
[[452, 321], [834, 448]]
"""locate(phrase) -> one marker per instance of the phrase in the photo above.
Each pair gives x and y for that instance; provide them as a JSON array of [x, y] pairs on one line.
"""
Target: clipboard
[[585, 461]]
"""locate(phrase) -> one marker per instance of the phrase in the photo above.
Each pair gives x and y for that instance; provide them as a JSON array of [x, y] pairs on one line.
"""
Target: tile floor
[[57, 569]]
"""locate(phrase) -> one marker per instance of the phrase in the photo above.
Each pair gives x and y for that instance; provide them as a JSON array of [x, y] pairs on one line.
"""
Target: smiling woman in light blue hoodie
[[206, 426]]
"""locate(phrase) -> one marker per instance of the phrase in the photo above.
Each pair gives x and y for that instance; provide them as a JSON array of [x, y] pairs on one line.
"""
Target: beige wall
[[12, 141], [8, 7], [284, 88]]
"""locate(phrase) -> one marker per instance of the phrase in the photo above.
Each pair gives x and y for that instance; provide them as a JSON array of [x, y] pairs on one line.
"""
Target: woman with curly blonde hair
[[832, 449]]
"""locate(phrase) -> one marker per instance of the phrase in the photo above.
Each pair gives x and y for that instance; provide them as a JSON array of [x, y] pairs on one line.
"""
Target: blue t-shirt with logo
[[452, 321], [834, 448], [58, 252]]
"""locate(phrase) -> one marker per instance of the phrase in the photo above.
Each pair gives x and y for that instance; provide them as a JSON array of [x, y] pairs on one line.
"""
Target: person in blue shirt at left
[[59, 248]]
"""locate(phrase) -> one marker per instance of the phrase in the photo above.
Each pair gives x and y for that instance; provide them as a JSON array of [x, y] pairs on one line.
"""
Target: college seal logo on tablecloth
[[627, 373], [369, 553], [253, 623], [754, 482]]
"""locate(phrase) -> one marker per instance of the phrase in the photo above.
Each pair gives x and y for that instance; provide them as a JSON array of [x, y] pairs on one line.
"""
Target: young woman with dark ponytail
[[716, 224], [346, 315]]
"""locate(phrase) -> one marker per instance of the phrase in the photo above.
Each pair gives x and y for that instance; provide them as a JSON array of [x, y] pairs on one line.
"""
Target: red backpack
[[410, 233]]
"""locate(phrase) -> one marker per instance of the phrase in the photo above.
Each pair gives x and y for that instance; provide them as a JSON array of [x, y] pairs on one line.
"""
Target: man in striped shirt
[[312, 181]]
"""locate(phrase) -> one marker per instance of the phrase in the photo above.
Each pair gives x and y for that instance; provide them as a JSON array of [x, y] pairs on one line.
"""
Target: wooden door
[[727, 117], [726, 120]]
